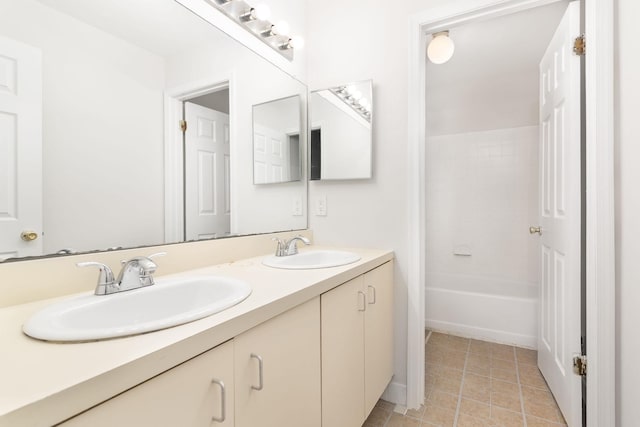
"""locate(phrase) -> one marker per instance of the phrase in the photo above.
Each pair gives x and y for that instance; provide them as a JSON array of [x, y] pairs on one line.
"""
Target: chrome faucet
[[290, 247], [136, 273]]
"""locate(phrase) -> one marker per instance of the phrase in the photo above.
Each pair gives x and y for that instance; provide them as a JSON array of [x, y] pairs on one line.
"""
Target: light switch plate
[[321, 206], [297, 206]]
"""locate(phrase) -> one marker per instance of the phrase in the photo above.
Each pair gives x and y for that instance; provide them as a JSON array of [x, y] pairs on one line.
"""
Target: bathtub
[[484, 308]]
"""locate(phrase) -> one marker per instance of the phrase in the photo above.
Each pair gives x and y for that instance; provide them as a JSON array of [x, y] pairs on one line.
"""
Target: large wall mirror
[[145, 113], [341, 135]]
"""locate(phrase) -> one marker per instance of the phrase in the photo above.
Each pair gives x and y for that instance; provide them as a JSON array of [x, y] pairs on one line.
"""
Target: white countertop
[[44, 383]]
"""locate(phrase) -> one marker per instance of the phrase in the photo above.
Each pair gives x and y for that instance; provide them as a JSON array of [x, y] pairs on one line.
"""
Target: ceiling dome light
[[441, 48]]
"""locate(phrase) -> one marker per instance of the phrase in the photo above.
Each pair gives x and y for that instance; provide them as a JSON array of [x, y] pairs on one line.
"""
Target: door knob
[[28, 235], [534, 230]]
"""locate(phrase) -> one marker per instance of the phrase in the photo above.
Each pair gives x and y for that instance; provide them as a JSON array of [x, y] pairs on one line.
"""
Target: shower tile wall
[[482, 196]]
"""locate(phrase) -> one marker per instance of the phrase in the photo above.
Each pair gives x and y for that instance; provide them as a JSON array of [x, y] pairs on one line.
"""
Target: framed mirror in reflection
[[143, 122], [341, 132], [276, 141]]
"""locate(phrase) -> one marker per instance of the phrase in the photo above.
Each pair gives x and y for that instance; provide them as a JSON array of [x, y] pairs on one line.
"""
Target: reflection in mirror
[[276, 141], [341, 137], [115, 170]]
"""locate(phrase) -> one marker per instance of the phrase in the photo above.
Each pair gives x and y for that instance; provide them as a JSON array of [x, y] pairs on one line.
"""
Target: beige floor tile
[[499, 351], [398, 420], [443, 400], [474, 408], [531, 376], [509, 365], [509, 375], [447, 384], [539, 395], [510, 401], [504, 386], [478, 393], [541, 410], [378, 417], [526, 356], [466, 420], [438, 416], [505, 418], [539, 422], [416, 413], [385, 405]]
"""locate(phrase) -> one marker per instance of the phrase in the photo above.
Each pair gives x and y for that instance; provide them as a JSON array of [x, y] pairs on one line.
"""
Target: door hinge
[[183, 125], [579, 45], [580, 365]]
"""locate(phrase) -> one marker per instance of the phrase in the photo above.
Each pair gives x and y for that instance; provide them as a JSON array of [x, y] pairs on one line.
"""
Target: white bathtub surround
[[482, 263]]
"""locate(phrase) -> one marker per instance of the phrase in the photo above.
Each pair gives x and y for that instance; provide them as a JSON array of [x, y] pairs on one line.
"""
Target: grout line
[[524, 415], [464, 372]]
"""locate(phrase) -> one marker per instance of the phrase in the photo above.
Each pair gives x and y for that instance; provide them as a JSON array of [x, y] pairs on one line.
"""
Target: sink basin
[[169, 302], [312, 259]]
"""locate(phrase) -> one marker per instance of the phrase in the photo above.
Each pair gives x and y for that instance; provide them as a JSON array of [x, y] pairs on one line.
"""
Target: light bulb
[[281, 28], [351, 90], [261, 12], [441, 48], [356, 95], [296, 42]]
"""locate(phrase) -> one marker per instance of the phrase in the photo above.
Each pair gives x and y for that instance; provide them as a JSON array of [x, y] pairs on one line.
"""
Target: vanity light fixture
[[261, 12], [440, 48], [255, 19], [354, 99]]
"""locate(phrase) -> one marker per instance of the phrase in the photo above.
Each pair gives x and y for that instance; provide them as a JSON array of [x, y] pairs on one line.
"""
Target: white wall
[[355, 41], [86, 191], [482, 194], [627, 212]]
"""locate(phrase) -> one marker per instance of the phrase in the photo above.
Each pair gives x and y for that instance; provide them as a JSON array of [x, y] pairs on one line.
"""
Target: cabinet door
[[278, 370], [378, 327], [196, 393], [342, 311]]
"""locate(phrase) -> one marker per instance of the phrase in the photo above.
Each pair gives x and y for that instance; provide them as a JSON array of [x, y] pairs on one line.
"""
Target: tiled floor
[[476, 383]]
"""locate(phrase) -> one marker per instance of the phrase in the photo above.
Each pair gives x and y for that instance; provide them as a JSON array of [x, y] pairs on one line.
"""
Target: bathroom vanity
[[307, 348]]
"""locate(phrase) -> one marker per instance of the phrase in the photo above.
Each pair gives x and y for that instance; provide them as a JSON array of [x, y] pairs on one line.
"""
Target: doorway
[[599, 148], [206, 171], [503, 157], [199, 169]]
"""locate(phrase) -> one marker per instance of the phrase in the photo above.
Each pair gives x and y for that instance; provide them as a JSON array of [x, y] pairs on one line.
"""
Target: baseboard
[[467, 331], [396, 393]]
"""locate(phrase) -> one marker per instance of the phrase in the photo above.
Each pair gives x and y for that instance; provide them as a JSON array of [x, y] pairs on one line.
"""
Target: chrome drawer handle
[[223, 401], [260, 372], [364, 301], [374, 294]]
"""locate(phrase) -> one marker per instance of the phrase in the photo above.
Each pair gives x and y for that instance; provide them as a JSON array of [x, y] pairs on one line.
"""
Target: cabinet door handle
[[374, 294], [223, 401], [364, 301], [260, 372]]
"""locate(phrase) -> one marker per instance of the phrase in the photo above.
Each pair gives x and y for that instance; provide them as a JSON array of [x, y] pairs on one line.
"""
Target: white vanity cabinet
[[277, 365], [357, 346], [199, 392]]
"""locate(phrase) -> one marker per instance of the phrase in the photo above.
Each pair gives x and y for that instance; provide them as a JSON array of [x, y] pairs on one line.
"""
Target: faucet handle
[[291, 248], [280, 249], [157, 254], [105, 279]]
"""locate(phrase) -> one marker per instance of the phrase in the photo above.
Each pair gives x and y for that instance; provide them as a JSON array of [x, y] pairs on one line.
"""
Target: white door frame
[[600, 275], [173, 154]]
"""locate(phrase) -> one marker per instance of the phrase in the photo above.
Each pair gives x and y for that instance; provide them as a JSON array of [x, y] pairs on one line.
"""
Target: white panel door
[[207, 199], [559, 338], [270, 155], [20, 148]]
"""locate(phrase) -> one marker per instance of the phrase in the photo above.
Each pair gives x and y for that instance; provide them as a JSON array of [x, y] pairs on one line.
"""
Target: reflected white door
[[559, 338], [20, 148], [270, 155], [207, 186]]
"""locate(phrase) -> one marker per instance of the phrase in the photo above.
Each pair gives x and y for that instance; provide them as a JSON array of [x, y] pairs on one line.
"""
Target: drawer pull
[[223, 401], [372, 288], [364, 301], [260, 372]]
